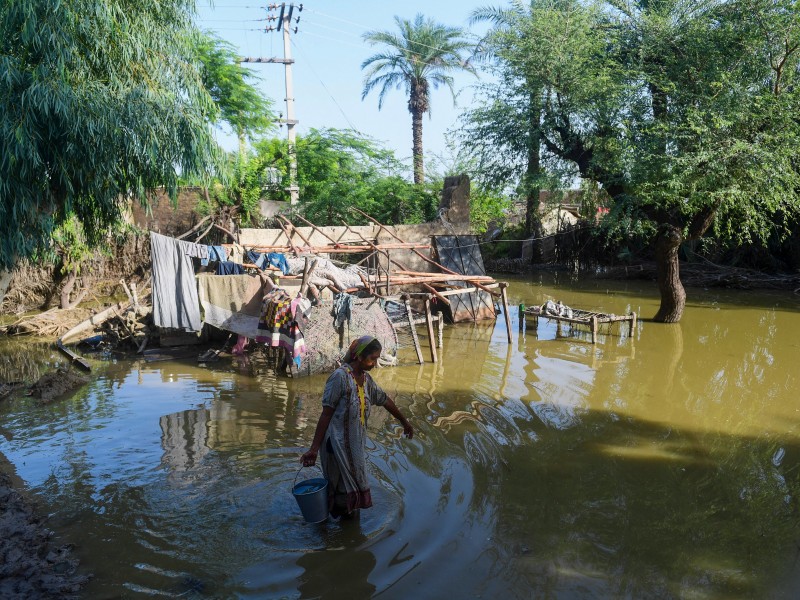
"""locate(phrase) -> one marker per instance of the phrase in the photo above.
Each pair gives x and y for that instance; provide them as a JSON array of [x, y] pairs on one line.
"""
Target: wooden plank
[[93, 321], [429, 325], [466, 290]]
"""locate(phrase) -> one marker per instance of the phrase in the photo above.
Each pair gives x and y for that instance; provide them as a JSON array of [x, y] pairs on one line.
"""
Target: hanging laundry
[[342, 309], [237, 253], [229, 268], [215, 253], [279, 324], [259, 260], [276, 259], [175, 301]]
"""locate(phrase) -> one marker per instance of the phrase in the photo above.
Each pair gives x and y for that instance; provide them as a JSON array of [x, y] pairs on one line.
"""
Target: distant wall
[[420, 234], [166, 218]]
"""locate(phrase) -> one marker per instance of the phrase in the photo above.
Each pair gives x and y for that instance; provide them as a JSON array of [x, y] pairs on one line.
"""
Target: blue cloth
[[217, 253], [276, 259], [258, 259], [229, 268]]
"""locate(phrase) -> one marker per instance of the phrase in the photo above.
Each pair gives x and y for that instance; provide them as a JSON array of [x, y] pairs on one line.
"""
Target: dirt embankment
[[32, 565]]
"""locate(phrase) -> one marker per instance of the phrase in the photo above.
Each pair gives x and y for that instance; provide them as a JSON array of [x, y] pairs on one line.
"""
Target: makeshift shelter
[[288, 288]]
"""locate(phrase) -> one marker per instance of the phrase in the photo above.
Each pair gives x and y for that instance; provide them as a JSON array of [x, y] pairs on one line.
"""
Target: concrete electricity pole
[[291, 122], [285, 23]]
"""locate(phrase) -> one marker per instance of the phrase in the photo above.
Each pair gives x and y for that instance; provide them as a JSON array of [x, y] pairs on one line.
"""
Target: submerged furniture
[[573, 316]]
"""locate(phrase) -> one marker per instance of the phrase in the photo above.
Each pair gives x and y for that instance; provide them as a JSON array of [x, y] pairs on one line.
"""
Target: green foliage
[[423, 54], [240, 104], [684, 112], [69, 243], [337, 170], [99, 101]]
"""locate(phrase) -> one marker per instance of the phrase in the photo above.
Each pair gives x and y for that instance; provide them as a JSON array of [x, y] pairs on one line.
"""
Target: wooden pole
[[504, 298], [440, 326], [289, 239], [391, 262], [413, 331], [633, 324], [304, 282], [594, 329], [335, 243], [429, 325], [296, 230], [417, 252], [388, 274], [93, 321]]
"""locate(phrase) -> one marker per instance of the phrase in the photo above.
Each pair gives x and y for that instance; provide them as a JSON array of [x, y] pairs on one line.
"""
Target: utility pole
[[291, 122], [284, 20]]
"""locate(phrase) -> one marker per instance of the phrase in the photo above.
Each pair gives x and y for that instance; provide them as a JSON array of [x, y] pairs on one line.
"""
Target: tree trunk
[[416, 132], [66, 291], [533, 168], [5, 282], [673, 296]]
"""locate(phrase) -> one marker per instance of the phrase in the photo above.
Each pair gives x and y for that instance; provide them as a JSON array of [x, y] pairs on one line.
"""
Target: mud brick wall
[[167, 218]]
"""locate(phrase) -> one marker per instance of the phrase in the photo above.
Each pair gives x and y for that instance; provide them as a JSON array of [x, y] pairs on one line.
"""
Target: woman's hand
[[309, 459]]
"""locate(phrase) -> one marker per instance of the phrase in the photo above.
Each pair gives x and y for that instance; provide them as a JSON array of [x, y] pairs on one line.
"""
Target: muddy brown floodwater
[[665, 464]]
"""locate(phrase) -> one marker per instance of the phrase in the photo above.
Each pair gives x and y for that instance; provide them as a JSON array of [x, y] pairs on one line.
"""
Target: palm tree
[[424, 53]]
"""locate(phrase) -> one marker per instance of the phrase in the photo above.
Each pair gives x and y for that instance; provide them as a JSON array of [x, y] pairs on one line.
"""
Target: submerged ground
[[663, 464]]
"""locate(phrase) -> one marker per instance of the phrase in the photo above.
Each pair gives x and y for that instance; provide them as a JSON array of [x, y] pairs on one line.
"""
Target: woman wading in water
[[341, 432]]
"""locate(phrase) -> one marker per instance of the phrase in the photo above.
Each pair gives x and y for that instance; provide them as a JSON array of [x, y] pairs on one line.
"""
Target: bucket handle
[[303, 467]]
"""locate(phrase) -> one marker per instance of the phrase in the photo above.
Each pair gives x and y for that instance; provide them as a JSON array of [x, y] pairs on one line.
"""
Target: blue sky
[[328, 50]]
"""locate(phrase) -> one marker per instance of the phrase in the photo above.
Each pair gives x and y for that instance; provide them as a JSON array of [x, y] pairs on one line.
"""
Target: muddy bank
[[32, 563]]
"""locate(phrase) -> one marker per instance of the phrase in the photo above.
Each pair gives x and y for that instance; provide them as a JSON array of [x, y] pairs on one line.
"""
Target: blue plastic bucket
[[312, 498]]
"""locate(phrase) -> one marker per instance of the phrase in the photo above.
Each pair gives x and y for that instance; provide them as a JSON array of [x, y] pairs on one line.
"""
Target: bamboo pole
[[504, 297], [318, 230], [289, 239], [458, 277], [429, 325], [394, 262], [413, 331], [296, 230], [417, 252]]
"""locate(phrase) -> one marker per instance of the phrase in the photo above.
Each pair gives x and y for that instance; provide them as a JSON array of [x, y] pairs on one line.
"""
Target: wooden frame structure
[[590, 319], [392, 278]]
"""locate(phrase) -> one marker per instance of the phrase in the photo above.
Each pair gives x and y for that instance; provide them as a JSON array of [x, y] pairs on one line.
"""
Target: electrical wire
[[322, 83], [364, 27]]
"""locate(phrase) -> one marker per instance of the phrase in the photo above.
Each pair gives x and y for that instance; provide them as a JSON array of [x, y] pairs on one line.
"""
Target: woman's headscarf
[[358, 346]]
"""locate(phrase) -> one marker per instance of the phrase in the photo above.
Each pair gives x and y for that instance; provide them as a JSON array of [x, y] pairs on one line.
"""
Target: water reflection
[[341, 569], [663, 465]]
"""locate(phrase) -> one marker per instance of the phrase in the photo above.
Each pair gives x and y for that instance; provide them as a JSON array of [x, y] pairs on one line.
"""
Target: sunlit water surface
[[663, 464]]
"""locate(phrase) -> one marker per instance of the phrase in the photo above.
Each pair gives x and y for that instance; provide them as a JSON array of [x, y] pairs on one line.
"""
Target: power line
[[322, 83], [364, 27]]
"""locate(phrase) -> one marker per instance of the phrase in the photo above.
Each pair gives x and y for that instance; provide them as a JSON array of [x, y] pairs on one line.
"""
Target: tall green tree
[[685, 113], [100, 100], [503, 132], [423, 54], [231, 86]]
